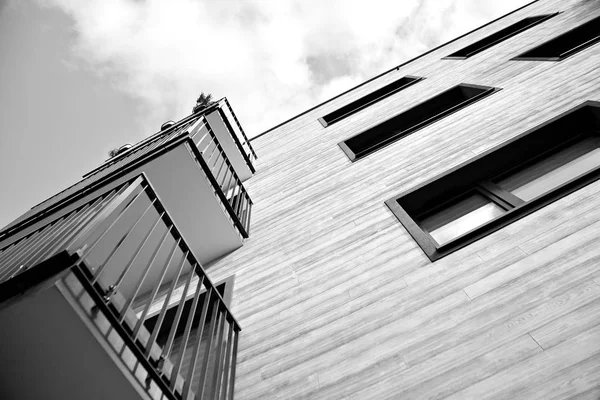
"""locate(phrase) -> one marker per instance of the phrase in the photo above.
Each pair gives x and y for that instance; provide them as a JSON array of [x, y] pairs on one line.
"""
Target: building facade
[[431, 233]]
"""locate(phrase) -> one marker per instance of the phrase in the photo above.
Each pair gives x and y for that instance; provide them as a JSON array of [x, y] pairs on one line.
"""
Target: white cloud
[[272, 59]]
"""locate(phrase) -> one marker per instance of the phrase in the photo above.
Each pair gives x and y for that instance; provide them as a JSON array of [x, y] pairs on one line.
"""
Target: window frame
[[543, 18], [487, 91], [519, 209], [356, 105], [566, 54]]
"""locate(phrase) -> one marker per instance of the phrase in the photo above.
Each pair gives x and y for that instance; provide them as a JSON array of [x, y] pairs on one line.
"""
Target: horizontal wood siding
[[336, 300]]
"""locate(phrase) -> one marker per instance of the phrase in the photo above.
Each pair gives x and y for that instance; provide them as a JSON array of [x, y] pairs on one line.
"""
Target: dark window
[[224, 288], [504, 184], [413, 119], [177, 350], [566, 44], [499, 36], [368, 100]]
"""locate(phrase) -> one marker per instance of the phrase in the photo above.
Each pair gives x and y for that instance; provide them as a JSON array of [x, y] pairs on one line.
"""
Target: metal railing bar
[[211, 155], [40, 240], [6, 270], [165, 306], [241, 197], [119, 243], [222, 151], [246, 140], [216, 317], [216, 370], [150, 301], [211, 141], [40, 237], [186, 333], [102, 217], [33, 233], [226, 189], [227, 360], [223, 185], [197, 128], [235, 199], [108, 200], [144, 275], [18, 246], [9, 247], [219, 359], [137, 252], [237, 139], [220, 169], [41, 214], [45, 248], [245, 213], [194, 359], [214, 166], [80, 223], [231, 386], [6, 253], [247, 227], [168, 346], [65, 225], [197, 144]]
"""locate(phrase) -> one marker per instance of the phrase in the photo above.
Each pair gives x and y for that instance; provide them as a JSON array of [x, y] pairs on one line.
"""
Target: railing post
[[225, 373], [231, 386], [186, 333], [192, 367]]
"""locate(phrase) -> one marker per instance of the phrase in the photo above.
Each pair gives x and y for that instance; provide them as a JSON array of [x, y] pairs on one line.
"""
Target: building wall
[[335, 298]]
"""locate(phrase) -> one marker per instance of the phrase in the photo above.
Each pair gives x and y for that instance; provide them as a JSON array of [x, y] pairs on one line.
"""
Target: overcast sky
[[79, 77]]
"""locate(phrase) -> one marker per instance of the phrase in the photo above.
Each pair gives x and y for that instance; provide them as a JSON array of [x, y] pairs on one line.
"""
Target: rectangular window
[[504, 184], [499, 36], [565, 45], [413, 119], [460, 216], [368, 100]]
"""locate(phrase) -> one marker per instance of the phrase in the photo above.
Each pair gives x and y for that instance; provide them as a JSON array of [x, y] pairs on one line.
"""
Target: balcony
[[108, 300], [197, 166], [232, 137]]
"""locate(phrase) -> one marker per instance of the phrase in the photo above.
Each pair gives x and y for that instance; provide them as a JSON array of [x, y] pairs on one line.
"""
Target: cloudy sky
[[79, 77]]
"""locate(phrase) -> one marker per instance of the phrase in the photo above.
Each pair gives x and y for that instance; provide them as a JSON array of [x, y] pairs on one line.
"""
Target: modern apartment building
[[431, 233]]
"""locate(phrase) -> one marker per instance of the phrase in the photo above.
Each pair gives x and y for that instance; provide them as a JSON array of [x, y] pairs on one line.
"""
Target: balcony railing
[[211, 156], [218, 169], [132, 272], [238, 133]]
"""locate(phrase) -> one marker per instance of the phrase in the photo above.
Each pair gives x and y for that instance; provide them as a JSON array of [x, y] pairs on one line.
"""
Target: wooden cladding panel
[[335, 298]]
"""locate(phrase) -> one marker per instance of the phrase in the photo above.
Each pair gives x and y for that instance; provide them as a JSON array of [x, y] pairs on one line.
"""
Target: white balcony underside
[[229, 146], [50, 353], [192, 203]]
